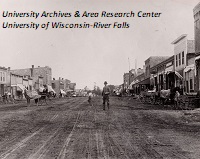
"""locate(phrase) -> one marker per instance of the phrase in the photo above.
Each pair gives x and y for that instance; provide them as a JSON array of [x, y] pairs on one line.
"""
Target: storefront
[[189, 78], [197, 72], [143, 85]]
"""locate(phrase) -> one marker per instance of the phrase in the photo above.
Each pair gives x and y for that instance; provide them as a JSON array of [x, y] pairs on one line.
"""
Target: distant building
[[40, 75], [72, 86], [126, 80], [58, 86], [139, 71], [152, 61], [139, 83], [66, 84], [196, 13]]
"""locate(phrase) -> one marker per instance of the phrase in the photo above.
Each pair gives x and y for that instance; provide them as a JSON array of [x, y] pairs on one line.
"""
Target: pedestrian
[[90, 98], [177, 98], [105, 94]]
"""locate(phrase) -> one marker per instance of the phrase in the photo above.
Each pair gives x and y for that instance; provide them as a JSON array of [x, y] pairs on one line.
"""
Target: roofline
[[194, 10], [16, 74], [171, 57], [154, 56], [30, 68], [3, 68], [179, 38]]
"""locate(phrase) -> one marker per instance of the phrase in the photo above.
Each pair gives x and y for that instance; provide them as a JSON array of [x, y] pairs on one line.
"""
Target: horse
[[168, 95], [32, 95]]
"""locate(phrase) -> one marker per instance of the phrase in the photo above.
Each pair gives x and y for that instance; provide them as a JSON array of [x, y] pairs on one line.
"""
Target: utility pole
[[128, 72]]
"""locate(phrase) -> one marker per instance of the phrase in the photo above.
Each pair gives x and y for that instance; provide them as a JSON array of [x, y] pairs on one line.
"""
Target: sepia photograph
[[103, 79]]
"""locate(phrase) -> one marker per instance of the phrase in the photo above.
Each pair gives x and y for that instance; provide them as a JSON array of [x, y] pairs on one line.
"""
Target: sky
[[89, 56]]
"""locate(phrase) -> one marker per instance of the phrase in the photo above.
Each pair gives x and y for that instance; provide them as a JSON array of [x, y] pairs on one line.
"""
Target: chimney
[[32, 70], [53, 78]]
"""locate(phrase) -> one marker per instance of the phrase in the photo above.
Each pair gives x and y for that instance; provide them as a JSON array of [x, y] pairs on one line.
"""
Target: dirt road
[[71, 128]]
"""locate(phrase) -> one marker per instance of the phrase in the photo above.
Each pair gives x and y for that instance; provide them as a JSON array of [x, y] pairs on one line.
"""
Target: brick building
[[40, 75], [162, 74], [196, 13], [152, 61]]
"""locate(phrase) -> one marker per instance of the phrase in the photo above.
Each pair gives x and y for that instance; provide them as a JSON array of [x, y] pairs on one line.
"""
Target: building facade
[[196, 14], [162, 74], [183, 50], [72, 86], [4, 80], [126, 80], [58, 85], [40, 75]]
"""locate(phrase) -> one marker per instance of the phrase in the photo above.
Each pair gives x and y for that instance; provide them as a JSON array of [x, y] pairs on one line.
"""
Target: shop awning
[[197, 58], [189, 68], [145, 82], [178, 75], [169, 69], [20, 87], [69, 90], [50, 89], [62, 91]]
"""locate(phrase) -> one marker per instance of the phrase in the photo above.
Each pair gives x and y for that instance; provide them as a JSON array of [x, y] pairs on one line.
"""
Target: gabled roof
[[195, 10]]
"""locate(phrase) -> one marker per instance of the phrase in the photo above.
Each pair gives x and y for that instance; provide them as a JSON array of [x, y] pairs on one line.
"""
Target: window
[[53, 85], [179, 58], [176, 60], [1, 78], [191, 84], [182, 57], [4, 77], [196, 24]]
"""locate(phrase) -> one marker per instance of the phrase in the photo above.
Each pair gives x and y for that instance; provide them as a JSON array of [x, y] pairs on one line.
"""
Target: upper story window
[[2, 76], [179, 55], [176, 60], [196, 24], [183, 56]]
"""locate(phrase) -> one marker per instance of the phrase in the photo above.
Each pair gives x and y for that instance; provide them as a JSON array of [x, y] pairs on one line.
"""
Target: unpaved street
[[71, 128]]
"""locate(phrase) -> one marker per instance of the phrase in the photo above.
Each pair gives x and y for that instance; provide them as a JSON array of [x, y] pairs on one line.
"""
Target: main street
[[71, 128]]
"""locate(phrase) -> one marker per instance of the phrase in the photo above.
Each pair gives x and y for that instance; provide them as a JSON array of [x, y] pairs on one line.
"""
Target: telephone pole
[[128, 71]]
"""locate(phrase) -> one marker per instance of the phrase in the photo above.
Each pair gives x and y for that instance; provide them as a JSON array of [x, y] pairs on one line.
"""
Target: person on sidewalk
[[105, 94]]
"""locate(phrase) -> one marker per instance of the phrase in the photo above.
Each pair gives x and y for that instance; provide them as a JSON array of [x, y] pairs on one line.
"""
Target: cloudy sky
[[91, 55]]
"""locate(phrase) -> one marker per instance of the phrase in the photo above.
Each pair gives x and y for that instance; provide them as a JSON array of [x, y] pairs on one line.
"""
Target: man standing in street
[[105, 94]]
